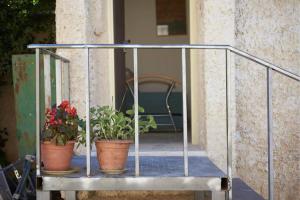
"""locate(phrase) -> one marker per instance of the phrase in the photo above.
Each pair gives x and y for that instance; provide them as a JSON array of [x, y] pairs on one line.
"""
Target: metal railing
[[60, 63], [228, 51]]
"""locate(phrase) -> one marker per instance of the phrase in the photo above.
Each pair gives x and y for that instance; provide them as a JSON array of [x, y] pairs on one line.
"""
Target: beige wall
[[213, 23], [198, 116], [271, 30], [84, 22], [140, 28]]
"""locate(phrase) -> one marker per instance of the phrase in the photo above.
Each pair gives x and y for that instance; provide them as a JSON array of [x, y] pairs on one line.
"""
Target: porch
[[145, 170]]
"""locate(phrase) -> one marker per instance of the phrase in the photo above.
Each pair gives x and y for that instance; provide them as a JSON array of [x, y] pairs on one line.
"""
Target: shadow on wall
[[8, 121]]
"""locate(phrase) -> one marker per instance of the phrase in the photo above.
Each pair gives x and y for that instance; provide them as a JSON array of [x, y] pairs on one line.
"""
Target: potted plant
[[113, 132], [59, 136]]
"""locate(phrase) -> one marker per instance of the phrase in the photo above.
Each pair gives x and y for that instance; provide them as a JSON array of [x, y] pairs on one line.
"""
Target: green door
[[23, 67]]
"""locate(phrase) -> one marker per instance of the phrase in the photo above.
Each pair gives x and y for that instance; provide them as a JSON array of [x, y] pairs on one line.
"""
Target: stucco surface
[[85, 22], [217, 28], [198, 124], [268, 29]]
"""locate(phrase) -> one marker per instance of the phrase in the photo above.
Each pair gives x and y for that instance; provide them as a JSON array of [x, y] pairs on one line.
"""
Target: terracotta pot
[[112, 154], [57, 158]]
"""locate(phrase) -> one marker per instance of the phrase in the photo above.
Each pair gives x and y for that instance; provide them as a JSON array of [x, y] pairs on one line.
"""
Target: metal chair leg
[[168, 106], [123, 99]]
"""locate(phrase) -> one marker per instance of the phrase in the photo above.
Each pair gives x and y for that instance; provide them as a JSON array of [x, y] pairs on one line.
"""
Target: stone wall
[[271, 30]]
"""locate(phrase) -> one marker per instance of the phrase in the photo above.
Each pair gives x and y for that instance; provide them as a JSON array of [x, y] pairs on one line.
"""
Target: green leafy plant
[[109, 124], [61, 124]]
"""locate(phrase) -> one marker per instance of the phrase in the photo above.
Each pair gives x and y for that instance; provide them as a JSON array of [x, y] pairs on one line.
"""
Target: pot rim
[[114, 141], [50, 143]]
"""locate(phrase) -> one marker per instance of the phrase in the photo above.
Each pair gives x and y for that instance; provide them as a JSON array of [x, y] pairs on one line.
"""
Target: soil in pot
[[57, 158], [112, 154]]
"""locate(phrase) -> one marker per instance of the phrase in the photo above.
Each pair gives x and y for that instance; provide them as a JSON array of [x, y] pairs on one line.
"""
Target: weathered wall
[[217, 28], [269, 29], [87, 22], [198, 122]]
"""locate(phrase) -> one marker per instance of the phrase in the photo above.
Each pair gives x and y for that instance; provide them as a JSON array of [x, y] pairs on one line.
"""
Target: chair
[[160, 79]]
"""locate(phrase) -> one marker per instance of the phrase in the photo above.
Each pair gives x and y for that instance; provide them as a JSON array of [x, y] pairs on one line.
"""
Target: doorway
[[152, 22]]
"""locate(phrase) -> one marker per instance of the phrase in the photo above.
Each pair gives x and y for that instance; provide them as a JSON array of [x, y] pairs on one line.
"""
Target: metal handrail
[[228, 50], [265, 63], [172, 46], [54, 55]]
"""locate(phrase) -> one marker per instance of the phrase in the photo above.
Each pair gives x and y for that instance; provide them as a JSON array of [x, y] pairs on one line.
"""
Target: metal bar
[[70, 195], [270, 135], [136, 112], [184, 107], [54, 55], [173, 46], [132, 183], [37, 111], [47, 81], [130, 46], [265, 63], [68, 81], [228, 124], [58, 82], [44, 195], [87, 110]]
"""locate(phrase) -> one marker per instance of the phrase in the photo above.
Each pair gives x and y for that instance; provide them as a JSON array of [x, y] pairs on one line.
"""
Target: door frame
[[192, 19]]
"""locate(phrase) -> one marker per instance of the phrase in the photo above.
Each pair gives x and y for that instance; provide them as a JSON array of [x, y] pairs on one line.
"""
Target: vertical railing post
[[270, 135], [184, 107], [37, 111], [58, 70], [47, 80], [67, 80], [87, 112], [228, 124], [136, 112]]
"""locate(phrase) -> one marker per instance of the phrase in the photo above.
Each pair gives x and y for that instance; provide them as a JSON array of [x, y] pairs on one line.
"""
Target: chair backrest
[[155, 78]]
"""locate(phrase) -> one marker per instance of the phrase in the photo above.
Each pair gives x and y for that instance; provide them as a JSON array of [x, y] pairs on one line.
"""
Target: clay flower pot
[[57, 158], [112, 154]]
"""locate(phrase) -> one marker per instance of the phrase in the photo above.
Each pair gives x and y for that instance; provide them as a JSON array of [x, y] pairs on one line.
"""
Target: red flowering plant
[[61, 124]]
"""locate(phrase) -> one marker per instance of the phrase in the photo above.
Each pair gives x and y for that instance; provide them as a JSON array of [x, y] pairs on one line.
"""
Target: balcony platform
[[156, 173]]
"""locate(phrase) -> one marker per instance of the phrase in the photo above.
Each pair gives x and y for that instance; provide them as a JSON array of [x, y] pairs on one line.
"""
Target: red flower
[[53, 112], [52, 120], [71, 111], [64, 104]]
